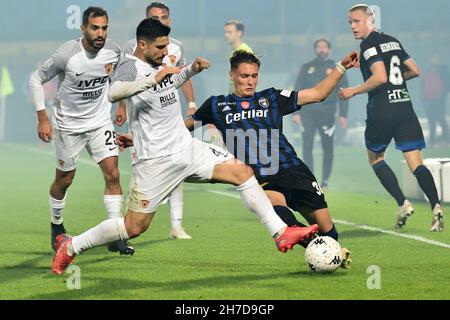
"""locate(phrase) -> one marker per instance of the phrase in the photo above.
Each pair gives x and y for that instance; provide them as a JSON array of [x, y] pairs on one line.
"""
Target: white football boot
[[179, 234], [403, 213], [437, 224]]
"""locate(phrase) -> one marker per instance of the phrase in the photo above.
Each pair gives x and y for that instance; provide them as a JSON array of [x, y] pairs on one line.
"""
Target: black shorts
[[299, 187], [393, 122]]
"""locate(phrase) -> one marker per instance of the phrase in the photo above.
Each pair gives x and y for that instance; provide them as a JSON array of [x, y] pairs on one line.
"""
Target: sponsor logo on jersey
[[369, 53], [222, 104], [311, 70], [226, 109], [390, 46], [109, 68], [165, 85], [263, 102], [168, 100], [245, 105], [86, 84], [398, 96], [91, 95], [245, 115]]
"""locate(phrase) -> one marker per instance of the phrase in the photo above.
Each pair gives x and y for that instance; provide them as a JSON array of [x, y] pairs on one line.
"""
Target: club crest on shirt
[[245, 105], [108, 68], [173, 59], [263, 102], [145, 204], [311, 70]]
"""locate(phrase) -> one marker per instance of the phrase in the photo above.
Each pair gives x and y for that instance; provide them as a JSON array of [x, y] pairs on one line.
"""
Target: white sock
[[176, 207], [106, 232], [113, 205], [257, 201], [56, 209]]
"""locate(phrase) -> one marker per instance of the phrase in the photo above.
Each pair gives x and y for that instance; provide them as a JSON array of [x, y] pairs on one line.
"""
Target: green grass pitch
[[231, 256]]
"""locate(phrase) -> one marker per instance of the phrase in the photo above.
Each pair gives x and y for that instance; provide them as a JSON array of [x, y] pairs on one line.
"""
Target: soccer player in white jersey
[[82, 116], [166, 152], [175, 57]]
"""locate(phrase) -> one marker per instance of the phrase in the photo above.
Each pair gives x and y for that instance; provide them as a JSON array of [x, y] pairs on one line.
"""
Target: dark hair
[[150, 29], [242, 56], [160, 5], [93, 12], [322, 40], [238, 24]]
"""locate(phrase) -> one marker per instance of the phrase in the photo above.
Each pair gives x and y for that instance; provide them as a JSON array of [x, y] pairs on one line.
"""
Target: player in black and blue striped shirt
[[251, 125]]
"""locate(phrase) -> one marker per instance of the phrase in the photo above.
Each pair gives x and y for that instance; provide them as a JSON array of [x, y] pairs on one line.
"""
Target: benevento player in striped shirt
[[251, 125]]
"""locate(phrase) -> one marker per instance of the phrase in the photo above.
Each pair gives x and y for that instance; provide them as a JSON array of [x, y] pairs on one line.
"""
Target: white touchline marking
[[360, 226]]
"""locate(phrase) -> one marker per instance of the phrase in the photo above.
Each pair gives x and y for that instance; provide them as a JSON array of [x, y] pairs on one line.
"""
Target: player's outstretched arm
[[324, 88], [121, 90], [412, 70], [185, 74], [378, 78]]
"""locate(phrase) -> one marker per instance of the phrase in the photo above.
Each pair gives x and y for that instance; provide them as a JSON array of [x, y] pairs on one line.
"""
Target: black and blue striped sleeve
[[204, 113], [287, 101]]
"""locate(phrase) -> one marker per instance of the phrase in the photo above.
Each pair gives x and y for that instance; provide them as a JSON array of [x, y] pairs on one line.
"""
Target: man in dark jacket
[[320, 118]]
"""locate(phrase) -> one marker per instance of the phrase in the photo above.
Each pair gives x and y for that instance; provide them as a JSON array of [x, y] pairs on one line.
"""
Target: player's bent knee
[[244, 173]]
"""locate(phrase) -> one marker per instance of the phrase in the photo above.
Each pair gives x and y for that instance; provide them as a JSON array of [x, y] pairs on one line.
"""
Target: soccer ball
[[323, 255]]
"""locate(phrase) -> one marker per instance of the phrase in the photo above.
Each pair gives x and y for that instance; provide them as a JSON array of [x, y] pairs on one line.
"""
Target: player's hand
[[124, 141], [346, 93], [200, 64], [192, 108], [297, 119], [166, 72], [45, 130], [351, 60], [121, 114], [343, 122]]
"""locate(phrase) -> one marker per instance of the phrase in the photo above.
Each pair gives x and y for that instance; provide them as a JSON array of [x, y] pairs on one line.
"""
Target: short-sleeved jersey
[[82, 103], [252, 128], [154, 115], [175, 48], [382, 47]]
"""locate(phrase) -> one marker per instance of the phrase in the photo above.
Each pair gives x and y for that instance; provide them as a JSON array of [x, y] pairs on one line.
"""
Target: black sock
[[287, 216], [332, 233], [426, 183], [59, 228], [389, 181]]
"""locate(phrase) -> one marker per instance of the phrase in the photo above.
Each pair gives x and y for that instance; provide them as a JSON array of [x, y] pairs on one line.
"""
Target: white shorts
[[154, 179], [100, 143]]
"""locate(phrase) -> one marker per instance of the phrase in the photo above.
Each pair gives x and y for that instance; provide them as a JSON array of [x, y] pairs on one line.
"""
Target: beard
[[96, 45]]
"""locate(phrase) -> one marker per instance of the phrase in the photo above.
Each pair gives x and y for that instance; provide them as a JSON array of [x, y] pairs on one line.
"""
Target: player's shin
[[176, 207], [333, 233], [56, 209], [104, 233], [427, 184], [113, 205], [257, 201], [287, 216]]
